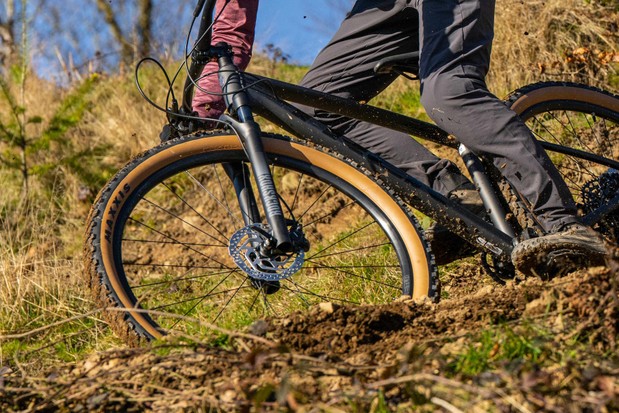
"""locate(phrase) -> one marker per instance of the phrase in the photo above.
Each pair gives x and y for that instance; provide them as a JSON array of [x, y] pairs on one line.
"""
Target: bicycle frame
[[444, 210], [269, 98]]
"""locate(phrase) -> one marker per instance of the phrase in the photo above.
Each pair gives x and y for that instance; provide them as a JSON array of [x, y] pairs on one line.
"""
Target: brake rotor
[[246, 250]]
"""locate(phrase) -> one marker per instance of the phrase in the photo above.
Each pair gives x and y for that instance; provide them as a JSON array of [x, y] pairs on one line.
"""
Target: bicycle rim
[[579, 127], [168, 220]]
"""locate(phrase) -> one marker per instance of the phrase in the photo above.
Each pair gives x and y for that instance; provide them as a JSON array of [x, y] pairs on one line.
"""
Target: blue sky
[[299, 27]]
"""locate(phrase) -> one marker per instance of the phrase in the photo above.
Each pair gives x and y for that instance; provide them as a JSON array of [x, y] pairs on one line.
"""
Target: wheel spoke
[[236, 291], [184, 221], [174, 255], [175, 241], [180, 278], [348, 251], [325, 216], [322, 297], [197, 213], [340, 240], [224, 206], [314, 202], [193, 244], [355, 275]]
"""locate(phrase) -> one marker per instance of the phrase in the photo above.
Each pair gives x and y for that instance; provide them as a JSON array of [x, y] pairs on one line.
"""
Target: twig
[[61, 390], [430, 377], [303, 357], [487, 394], [199, 322], [589, 321], [509, 399], [231, 333], [445, 405], [64, 338]]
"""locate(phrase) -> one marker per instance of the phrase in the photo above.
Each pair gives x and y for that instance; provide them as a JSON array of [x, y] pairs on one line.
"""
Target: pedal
[[499, 271]]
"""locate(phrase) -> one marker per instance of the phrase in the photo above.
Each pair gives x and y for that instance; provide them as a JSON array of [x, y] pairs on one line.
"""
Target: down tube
[[445, 211]]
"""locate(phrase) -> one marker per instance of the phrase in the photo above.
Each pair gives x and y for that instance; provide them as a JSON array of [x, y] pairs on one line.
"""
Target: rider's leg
[[456, 38], [235, 25], [372, 31]]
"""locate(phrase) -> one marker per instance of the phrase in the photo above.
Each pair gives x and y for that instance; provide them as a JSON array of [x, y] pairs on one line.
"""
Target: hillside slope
[[525, 347]]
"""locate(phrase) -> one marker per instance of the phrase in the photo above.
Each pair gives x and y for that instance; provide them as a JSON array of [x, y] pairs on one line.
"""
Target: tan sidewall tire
[[551, 93], [421, 268]]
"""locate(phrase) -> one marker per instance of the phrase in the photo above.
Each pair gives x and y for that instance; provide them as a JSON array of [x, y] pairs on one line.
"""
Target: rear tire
[[159, 233], [579, 127]]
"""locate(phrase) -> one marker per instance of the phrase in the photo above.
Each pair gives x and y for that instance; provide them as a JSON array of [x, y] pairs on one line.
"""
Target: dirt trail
[[397, 356]]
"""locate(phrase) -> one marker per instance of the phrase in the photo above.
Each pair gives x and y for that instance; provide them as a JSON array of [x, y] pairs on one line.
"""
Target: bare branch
[[110, 18], [8, 48], [145, 26]]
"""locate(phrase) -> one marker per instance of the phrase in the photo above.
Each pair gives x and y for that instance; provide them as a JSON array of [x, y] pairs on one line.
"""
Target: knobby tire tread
[[104, 294]]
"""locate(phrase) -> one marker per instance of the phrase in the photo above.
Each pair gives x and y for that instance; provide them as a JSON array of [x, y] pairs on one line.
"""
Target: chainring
[[596, 193]]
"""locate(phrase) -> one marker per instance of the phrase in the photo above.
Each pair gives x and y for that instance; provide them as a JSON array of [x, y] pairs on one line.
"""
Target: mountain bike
[[212, 230]]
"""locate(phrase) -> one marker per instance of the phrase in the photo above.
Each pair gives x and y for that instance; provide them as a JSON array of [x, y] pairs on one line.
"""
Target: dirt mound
[[405, 355]]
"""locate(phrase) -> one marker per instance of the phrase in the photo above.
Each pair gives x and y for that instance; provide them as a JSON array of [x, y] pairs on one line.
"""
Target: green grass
[[405, 100], [66, 343], [494, 348]]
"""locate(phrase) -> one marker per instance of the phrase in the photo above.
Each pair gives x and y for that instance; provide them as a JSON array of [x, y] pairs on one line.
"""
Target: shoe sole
[[547, 261]]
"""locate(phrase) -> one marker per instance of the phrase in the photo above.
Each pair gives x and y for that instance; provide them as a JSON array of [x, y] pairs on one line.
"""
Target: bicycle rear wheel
[[163, 232], [579, 127]]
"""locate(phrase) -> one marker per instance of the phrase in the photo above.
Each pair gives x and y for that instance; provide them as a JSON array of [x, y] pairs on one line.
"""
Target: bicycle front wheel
[[162, 232], [579, 127]]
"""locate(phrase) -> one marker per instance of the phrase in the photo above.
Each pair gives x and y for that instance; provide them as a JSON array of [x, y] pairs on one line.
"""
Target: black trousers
[[455, 39]]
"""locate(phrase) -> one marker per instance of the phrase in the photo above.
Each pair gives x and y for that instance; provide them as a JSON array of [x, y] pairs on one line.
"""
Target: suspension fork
[[238, 173], [250, 134]]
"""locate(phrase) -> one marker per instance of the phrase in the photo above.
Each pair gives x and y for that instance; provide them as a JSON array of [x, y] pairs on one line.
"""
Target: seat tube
[[249, 131], [482, 181]]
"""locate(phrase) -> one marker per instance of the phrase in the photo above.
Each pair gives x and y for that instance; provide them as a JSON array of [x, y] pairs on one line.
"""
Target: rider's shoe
[[575, 246], [446, 246]]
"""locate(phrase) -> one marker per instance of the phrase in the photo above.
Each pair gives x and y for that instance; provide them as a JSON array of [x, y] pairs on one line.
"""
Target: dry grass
[[40, 284], [40, 269], [540, 40], [518, 348], [122, 119]]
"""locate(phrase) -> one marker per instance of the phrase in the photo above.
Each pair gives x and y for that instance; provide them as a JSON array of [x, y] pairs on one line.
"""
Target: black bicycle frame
[[266, 100], [269, 98]]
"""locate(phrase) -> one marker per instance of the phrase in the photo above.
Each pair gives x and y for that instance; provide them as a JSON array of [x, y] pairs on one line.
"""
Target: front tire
[[159, 233]]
